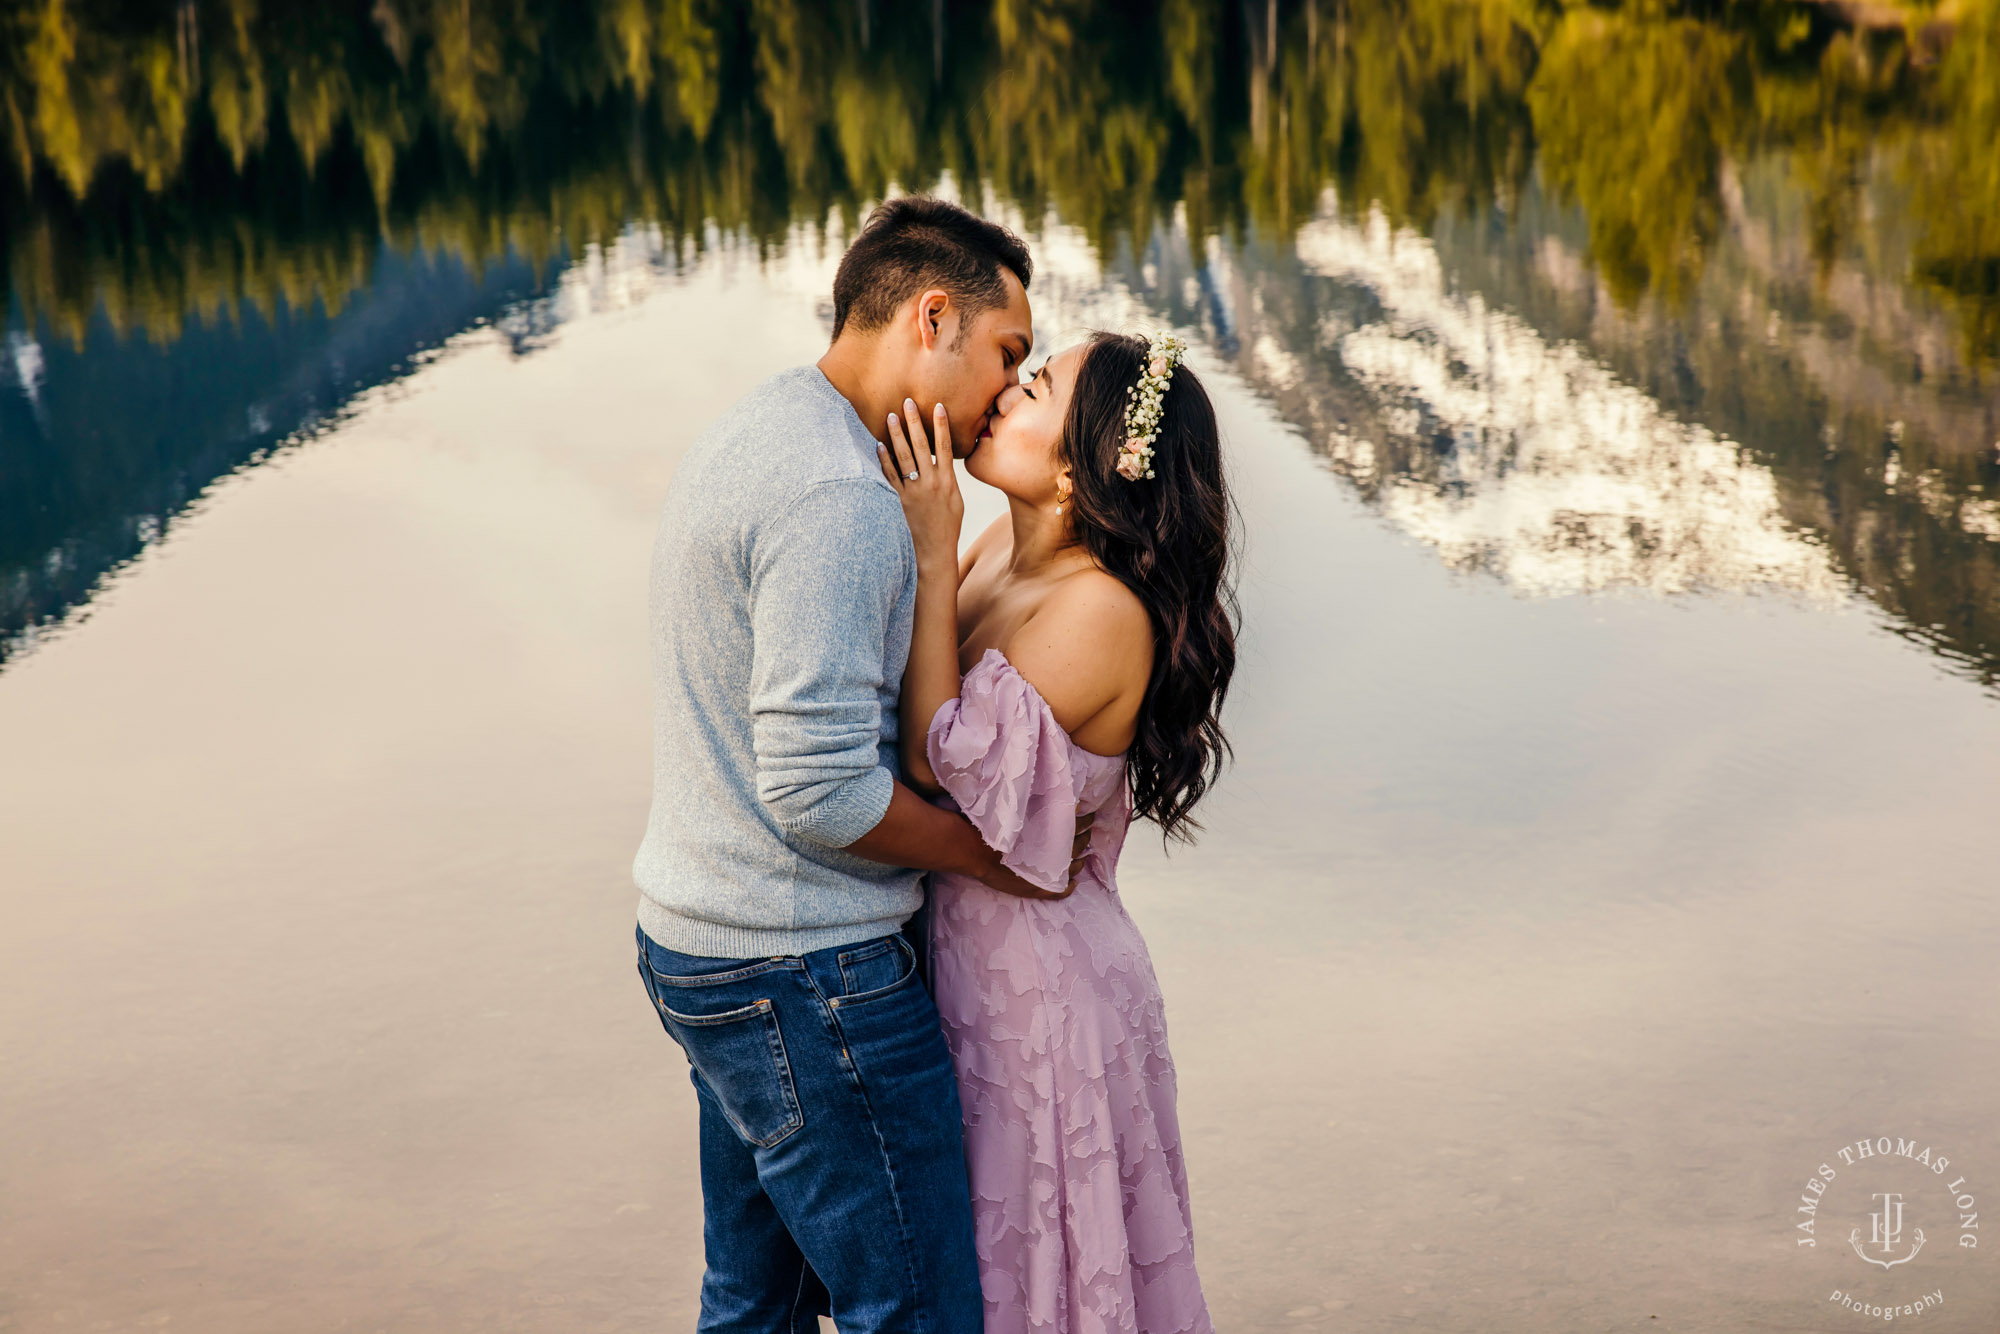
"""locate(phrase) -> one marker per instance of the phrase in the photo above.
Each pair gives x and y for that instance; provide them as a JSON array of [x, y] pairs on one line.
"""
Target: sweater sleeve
[[826, 578]]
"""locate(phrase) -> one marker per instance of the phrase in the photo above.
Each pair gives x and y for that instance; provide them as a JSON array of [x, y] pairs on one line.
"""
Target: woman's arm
[[936, 511]]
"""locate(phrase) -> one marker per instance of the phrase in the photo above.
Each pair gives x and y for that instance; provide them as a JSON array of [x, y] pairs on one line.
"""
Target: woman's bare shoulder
[[1095, 601], [1088, 645]]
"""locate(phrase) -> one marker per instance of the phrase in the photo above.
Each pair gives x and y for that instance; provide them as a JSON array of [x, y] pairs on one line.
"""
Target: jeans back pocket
[[740, 1056]]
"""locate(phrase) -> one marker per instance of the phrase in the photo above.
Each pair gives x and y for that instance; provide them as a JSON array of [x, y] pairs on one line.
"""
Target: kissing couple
[[942, 1109]]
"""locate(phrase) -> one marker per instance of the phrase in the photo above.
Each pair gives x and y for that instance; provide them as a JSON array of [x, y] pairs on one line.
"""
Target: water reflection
[[1507, 453], [105, 443], [1585, 297]]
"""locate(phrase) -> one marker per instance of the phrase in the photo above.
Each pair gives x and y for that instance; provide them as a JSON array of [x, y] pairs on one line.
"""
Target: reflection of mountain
[[1511, 453], [1505, 452], [105, 444], [1444, 380], [1852, 389]]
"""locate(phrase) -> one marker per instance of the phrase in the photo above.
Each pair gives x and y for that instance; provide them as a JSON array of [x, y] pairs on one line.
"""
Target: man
[[782, 857]]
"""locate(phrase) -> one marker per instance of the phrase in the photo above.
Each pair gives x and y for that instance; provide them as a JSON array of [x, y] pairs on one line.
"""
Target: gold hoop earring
[[1062, 498]]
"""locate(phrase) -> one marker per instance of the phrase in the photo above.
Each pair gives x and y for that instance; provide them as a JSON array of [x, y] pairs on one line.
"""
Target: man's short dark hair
[[915, 243]]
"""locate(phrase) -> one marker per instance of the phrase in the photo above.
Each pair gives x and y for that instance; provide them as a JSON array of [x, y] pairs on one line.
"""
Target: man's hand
[[996, 876]]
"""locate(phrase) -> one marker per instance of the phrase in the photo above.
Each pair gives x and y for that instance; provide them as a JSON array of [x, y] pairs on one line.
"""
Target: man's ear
[[935, 317]]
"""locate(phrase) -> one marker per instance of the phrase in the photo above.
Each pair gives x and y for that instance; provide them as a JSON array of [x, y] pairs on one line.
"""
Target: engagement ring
[[909, 477]]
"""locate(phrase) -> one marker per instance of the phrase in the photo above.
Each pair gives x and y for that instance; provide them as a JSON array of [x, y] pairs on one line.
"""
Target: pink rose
[[1159, 366], [1131, 466]]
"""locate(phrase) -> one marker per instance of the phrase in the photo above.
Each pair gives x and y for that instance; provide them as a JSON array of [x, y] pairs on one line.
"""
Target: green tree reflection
[[171, 162]]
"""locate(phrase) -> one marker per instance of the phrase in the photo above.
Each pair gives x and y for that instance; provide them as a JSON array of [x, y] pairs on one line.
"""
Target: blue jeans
[[832, 1159]]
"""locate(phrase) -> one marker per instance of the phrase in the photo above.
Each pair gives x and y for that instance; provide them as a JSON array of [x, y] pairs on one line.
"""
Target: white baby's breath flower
[[1142, 417]]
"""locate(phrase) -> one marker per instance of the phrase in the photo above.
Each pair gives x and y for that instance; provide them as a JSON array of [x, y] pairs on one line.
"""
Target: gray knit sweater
[[782, 590]]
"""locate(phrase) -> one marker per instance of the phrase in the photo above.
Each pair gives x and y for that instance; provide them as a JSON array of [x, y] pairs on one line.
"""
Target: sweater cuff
[[857, 807]]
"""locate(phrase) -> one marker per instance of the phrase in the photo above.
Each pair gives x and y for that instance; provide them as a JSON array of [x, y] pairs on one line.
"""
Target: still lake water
[[1613, 407]]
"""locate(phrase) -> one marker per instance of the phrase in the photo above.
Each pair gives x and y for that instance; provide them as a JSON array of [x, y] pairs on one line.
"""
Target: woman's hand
[[928, 486]]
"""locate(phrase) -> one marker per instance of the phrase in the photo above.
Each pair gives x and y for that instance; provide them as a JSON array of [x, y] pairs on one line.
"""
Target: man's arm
[[824, 589], [826, 574], [917, 834]]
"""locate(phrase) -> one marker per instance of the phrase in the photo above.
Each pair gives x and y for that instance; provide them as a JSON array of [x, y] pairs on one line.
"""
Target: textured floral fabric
[[1054, 1019]]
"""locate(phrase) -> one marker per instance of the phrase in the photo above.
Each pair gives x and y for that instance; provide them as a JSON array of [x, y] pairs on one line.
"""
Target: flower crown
[[1142, 409]]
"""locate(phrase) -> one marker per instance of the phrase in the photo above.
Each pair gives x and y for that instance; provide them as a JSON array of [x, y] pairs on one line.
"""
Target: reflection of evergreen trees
[[168, 160], [1957, 179], [240, 151]]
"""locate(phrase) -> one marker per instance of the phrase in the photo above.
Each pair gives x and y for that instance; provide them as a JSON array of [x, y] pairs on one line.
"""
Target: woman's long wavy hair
[[1166, 538]]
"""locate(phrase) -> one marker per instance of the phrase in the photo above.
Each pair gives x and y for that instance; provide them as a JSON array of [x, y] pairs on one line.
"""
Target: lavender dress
[[1079, 1197]]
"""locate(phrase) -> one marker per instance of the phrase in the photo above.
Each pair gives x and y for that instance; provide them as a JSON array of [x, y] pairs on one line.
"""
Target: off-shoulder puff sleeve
[[1002, 757]]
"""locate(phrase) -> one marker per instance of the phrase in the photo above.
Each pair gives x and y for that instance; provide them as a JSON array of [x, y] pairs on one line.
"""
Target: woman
[[1065, 676]]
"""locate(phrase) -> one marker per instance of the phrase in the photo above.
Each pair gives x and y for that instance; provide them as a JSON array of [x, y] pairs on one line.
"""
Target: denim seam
[[798, 1296], [790, 1090], [716, 979], [717, 1020], [888, 1163], [867, 951]]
